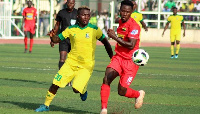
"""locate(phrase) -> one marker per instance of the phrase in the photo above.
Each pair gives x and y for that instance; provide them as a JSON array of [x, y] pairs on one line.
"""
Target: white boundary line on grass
[[174, 75], [27, 68]]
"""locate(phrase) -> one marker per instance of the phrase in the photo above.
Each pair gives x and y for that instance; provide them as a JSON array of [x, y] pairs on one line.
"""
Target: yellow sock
[[172, 49], [49, 98], [177, 48]]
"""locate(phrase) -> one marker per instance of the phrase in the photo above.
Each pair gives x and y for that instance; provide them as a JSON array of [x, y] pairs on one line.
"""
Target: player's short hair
[[83, 7], [174, 8], [127, 2]]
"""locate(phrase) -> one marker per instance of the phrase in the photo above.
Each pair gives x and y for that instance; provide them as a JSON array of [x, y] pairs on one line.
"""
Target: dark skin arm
[[54, 38], [144, 25], [166, 26], [56, 27], [35, 22], [183, 28], [130, 44], [107, 47]]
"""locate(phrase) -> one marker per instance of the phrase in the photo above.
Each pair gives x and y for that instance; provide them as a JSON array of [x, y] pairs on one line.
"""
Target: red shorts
[[29, 27], [126, 69]]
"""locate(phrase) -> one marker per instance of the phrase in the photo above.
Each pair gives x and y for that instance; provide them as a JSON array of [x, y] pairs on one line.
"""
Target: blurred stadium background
[[104, 12]]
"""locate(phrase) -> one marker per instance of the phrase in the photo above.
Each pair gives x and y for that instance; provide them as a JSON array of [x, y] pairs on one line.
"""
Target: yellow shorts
[[175, 36], [80, 73]]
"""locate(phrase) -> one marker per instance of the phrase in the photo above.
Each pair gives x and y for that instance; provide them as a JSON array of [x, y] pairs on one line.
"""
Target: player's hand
[[111, 33], [184, 34], [51, 33], [52, 44], [162, 34], [146, 29]]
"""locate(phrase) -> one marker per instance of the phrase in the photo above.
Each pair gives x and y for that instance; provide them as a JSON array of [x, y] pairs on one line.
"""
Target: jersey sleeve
[[64, 34], [58, 17], [134, 32], [182, 19], [169, 19], [100, 35]]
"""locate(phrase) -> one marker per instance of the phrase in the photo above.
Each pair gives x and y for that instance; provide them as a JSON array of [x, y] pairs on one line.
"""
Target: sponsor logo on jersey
[[134, 32]]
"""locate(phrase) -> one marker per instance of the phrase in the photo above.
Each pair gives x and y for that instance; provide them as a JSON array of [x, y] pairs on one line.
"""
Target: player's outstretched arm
[[128, 44], [107, 47], [53, 37]]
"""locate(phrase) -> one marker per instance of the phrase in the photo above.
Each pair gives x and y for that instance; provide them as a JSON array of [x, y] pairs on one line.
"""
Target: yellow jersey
[[175, 21], [83, 41], [137, 17]]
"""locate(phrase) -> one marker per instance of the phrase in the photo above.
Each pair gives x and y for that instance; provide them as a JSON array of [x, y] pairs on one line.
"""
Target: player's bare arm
[[56, 27], [54, 38], [166, 26], [144, 26], [128, 44], [107, 47], [183, 28]]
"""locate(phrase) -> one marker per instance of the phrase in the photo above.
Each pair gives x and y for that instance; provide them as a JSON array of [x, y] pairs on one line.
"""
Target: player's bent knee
[[121, 91], [75, 91], [53, 89]]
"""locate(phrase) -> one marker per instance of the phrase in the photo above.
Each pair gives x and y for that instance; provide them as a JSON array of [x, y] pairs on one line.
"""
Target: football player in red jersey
[[29, 21], [121, 64]]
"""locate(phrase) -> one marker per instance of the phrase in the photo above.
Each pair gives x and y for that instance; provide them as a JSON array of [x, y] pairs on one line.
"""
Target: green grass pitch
[[172, 86]]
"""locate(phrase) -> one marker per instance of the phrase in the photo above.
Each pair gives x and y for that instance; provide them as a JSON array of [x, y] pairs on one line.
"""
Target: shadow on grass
[[33, 106], [27, 81]]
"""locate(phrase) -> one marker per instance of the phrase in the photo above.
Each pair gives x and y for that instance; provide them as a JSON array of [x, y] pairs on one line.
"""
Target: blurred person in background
[[175, 31], [93, 19], [29, 21], [65, 17], [170, 4]]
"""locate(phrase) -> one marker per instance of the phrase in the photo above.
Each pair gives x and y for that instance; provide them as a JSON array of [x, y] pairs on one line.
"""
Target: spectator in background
[[23, 7], [93, 19], [184, 7], [46, 22], [190, 6], [170, 4], [198, 6], [178, 5]]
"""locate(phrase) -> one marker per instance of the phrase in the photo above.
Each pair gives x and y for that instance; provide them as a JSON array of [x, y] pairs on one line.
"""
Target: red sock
[[25, 42], [31, 44], [105, 92], [130, 93]]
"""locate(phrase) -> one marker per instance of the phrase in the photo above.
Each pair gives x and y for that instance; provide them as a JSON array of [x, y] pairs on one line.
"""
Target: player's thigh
[[64, 75], [172, 37], [26, 28], [178, 37], [129, 72], [81, 80], [32, 29]]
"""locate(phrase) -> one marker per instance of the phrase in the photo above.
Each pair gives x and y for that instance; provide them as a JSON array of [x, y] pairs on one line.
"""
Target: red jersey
[[129, 29], [29, 14]]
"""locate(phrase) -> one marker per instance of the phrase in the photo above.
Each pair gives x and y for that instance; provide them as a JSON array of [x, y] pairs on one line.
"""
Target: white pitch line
[[27, 68], [45, 69], [175, 75]]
